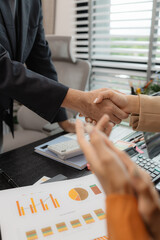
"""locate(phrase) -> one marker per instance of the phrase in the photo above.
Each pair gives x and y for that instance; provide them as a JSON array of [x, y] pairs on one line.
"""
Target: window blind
[[115, 37]]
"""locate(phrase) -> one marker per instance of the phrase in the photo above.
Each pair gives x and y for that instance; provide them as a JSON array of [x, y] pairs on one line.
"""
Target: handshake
[[105, 101], [94, 104]]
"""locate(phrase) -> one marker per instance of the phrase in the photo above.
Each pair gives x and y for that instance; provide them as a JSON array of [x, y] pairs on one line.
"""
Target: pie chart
[[78, 194]]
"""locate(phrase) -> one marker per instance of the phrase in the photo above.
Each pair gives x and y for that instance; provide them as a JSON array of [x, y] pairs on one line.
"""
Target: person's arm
[[148, 118], [40, 61], [45, 96], [83, 102], [123, 219], [40, 94]]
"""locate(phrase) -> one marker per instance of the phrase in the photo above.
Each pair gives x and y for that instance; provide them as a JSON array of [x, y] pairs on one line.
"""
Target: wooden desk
[[25, 166]]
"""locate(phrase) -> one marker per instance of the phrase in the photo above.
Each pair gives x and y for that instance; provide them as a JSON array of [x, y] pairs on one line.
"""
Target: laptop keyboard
[[152, 166]]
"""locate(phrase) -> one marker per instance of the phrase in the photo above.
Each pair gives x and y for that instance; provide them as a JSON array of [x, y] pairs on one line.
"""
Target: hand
[[116, 97], [83, 102], [103, 125], [103, 161], [106, 160], [105, 107], [127, 103], [68, 126], [147, 197]]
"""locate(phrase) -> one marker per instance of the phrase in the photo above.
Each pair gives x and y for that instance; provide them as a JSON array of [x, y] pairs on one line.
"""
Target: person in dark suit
[[22, 41]]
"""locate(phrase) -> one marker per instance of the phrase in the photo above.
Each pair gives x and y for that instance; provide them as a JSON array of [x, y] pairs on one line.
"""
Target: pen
[[148, 83], [139, 139], [138, 136], [8, 179]]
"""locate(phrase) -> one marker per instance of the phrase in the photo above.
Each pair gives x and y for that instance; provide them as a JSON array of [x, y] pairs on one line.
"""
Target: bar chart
[[47, 231], [101, 238], [100, 214], [95, 189], [88, 218], [32, 235], [75, 223], [61, 227], [39, 205]]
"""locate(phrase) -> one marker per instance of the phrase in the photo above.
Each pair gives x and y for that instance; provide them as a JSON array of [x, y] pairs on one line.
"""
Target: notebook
[[78, 162]]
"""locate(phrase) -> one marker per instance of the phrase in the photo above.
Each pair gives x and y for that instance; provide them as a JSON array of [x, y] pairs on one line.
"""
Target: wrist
[[74, 100], [68, 126], [133, 104]]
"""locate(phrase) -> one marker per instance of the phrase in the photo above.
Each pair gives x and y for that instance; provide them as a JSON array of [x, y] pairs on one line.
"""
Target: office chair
[[71, 72]]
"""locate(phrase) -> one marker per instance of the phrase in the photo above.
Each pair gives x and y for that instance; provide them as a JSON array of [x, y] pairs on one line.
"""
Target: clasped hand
[[110, 102], [107, 162]]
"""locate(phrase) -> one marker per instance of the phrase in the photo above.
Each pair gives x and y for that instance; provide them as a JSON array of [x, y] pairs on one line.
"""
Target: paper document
[[72, 209], [119, 132]]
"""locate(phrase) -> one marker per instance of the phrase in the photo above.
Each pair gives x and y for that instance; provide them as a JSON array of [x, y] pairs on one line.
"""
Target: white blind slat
[[115, 37]]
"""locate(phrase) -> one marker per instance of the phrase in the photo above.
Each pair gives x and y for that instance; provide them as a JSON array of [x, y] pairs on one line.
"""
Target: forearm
[[133, 105], [149, 114], [75, 100]]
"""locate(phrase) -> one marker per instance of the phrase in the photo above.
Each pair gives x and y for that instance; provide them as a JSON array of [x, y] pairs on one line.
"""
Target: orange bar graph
[[57, 202], [46, 206], [22, 209], [53, 200], [19, 210], [31, 208], [34, 206], [42, 205]]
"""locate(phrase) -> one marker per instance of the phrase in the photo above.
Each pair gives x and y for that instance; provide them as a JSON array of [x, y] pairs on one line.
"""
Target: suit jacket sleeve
[[40, 61], [41, 94], [148, 118], [123, 218]]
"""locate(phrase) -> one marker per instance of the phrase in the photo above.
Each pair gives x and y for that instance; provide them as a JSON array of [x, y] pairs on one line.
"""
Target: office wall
[[58, 16], [48, 16], [64, 17]]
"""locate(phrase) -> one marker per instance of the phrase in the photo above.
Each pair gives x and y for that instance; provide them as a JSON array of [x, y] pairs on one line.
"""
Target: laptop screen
[[152, 141]]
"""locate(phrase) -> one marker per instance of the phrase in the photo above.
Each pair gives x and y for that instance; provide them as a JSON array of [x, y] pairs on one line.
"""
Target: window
[[120, 39]]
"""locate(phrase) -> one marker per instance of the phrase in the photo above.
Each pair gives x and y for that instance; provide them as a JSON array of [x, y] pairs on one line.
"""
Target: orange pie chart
[[78, 194]]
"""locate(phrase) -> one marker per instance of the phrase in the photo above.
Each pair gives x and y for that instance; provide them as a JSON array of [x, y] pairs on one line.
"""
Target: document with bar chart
[[71, 209]]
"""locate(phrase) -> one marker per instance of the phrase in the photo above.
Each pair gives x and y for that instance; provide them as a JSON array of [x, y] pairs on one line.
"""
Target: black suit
[[24, 42]]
